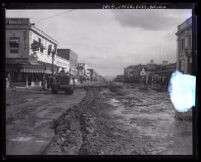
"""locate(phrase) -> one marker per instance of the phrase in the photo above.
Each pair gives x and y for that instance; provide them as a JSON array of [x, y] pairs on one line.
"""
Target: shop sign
[[17, 21]]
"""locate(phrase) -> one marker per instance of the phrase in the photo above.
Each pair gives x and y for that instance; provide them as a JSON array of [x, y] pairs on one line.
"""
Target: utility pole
[[53, 57]]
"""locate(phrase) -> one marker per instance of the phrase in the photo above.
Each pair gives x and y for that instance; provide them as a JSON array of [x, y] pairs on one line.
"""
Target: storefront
[[29, 75]]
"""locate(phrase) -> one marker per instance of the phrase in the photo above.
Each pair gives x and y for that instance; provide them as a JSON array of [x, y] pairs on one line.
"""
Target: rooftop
[[183, 26]]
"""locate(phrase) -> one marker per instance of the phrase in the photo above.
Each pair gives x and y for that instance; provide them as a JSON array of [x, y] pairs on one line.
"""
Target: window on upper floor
[[14, 42], [14, 51], [189, 41], [182, 44]]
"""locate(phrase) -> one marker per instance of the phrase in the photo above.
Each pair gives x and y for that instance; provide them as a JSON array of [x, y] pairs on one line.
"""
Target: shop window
[[13, 51]]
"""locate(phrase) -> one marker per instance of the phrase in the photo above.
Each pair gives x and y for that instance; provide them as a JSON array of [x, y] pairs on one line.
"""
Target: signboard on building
[[17, 21]]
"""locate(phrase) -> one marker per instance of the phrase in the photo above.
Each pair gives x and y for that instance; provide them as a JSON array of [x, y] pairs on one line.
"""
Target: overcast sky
[[109, 40]]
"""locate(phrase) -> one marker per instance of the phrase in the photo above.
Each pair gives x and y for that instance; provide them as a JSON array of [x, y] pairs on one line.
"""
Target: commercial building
[[184, 46], [92, 74], [132, 73], [72, 57], [28, 52], [62, 63], [82, 72], [119, 78], [150, 73]]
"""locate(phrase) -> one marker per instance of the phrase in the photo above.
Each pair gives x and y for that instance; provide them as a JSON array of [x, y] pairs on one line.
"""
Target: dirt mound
[[71, 127], [96, 127], [89, 129]]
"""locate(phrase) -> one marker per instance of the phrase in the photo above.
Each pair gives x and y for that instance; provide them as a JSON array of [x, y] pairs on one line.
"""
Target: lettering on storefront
[[16, 21]]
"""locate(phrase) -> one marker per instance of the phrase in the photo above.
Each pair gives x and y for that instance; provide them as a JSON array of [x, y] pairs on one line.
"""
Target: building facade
[[92, 74], [150, 74], [62, 63], [184, 46], [82, 72], [72, 57], [28, 52], [132, 73]]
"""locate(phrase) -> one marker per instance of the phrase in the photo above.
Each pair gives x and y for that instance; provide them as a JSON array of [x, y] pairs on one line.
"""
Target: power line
[[53, 16]]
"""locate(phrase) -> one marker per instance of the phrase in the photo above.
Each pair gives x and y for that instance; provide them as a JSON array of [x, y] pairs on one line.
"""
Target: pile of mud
[[71, 129], [94, 127], [89, 129]]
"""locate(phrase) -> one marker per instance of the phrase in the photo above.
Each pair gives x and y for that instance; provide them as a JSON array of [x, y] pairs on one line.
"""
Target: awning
[[48, 67], [29, 70], [12, 69]]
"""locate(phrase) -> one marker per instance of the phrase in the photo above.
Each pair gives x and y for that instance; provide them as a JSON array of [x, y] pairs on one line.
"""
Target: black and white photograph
[[97, 81]]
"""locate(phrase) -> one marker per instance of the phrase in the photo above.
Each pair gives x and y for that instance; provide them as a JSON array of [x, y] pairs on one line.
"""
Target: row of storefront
[[31, 54], [150, 74]]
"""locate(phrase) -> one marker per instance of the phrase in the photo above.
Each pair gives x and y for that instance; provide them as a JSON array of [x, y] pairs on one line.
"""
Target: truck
[[63, 82]]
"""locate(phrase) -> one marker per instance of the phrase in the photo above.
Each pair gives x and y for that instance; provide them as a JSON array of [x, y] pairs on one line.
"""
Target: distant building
[[165, 72], [150, 73], [28, 52], [82, 72], [119, 78], [92, 74], [164, 62], [72, 57], [132, 73], [184, 46], [62, 63]]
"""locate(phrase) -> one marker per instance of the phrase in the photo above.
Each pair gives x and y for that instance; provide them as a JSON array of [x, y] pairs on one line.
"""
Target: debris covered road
[[107, 121], [122, 121]]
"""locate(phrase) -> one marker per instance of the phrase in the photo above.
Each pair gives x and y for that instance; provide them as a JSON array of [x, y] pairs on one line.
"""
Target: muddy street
[[30, 117], [121, 121]]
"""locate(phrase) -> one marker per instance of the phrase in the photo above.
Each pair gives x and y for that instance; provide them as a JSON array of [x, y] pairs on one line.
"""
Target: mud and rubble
[[122, 120], [30, 116]]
